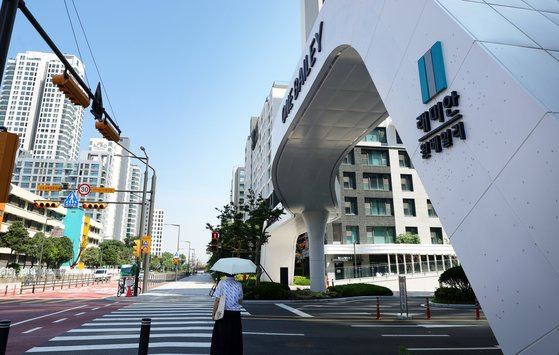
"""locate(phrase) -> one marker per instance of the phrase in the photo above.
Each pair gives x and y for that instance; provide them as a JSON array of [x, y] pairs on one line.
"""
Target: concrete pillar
[[389, 265], [397, 265], [316, 226], [420, 263]]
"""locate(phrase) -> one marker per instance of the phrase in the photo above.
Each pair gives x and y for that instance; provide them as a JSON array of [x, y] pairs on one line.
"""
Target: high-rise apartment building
[[47, 123], [133, 210], [238, 191], [258, 148], [157, 231]]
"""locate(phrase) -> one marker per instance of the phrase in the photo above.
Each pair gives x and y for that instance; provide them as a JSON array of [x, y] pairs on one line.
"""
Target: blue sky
[[184, 77]]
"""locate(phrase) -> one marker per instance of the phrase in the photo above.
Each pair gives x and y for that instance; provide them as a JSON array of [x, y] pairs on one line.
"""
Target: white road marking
[[414, 335], [60, 320], [275, 334], [293, 310], [414, 326], [152, 323], [79, 314], [31, 330], [130, 336], [96, 308], [48, 315], [118, 346], [456, 349], [107, 318], [348, 313], [134, 329]]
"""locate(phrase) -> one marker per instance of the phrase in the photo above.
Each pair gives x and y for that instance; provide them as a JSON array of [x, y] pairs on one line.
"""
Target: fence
[[50, 283]]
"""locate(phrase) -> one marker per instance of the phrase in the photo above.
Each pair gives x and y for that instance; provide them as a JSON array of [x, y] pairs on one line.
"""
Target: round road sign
[[84, 189]]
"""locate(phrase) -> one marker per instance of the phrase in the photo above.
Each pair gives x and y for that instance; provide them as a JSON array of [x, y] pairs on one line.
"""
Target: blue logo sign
[[71, 201], [432, 75]]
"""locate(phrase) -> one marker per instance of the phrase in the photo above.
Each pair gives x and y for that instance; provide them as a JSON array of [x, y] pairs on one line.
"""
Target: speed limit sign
[[84, 189]]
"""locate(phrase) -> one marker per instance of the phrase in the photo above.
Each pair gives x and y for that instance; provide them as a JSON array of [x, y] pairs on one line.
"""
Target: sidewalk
[[192, 288]]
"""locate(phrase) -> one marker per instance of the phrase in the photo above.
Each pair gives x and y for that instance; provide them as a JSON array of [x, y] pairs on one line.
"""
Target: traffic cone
[[129, 292]]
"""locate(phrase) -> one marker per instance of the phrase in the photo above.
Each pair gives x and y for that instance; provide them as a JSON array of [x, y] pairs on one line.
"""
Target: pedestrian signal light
[[9, 143], [107, 130], [71, 89], [46, 204], [95, 205], [137, 248], [214, 245]]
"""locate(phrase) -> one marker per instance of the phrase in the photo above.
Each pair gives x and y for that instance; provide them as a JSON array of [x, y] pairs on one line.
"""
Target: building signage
[[304, 71], [432, 78], [103, 190], [49, 188]]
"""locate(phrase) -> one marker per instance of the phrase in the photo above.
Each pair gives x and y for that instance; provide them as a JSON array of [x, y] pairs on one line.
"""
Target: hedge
[[266, 291], [360, 289]]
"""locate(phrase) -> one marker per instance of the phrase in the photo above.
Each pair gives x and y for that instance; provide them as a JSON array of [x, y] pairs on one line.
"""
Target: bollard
[[477, 309], [144, 336], [6, 292], [4, 331], [378, 308], [21, 288], [15, 288], [428, 308]]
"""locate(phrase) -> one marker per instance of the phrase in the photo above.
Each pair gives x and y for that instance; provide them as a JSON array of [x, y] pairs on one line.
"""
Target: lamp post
[[193, 258], [178, 241], [188, 255]]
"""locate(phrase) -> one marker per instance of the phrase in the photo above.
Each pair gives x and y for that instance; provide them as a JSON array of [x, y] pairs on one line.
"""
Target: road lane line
[[60, 320], [31, 330], [130, 336], [48, 315], [456, 349], [415, 325], [79, 314], [152, 323], [118, 346], [414, 335], [134, 329], [293, 310], [274, 334], [96, 308]]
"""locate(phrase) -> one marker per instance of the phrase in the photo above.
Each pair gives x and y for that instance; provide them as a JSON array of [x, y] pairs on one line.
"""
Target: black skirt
[[227, 336]]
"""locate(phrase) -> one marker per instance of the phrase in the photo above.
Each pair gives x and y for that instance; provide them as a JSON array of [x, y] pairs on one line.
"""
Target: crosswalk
[[176, 328]]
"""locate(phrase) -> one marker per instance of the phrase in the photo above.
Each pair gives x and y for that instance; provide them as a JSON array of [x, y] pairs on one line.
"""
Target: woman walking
[[227, 336]]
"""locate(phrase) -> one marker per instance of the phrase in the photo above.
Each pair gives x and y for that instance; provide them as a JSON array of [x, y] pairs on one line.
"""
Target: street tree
[[155, 263], [167, 261], [91, 257], [34, 247], [65, 250], [114, 252], [16, 238]]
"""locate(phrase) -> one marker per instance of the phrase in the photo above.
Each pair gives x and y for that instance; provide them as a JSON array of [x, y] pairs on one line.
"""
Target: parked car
[[101, 275]]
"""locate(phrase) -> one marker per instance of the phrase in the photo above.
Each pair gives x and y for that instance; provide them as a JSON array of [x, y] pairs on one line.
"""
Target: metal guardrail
[[34, 285]]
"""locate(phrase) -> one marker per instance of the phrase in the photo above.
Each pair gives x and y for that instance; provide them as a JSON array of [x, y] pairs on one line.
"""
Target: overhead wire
[[75, 39], [94, 62]]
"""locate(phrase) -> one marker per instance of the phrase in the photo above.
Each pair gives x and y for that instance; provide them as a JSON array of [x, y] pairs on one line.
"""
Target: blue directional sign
[[71, 201]]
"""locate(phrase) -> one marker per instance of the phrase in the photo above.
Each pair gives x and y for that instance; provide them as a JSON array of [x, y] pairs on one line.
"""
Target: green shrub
[[14, 266], [453, 295], [301, 280], [359, 289], [455, 278], [307, 295], [266, 291]]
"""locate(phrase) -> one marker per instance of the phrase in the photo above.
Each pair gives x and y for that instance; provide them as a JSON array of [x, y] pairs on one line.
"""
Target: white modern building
[[157, 231], [47, 123], [133, 210], [472, 88]]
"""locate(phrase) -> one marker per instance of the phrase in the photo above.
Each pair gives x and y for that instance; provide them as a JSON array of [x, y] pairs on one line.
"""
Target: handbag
[[219, 308]]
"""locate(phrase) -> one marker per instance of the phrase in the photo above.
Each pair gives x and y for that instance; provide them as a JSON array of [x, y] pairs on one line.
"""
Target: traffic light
[[71, 89], [137, 247], [107, 130], [9, 143], [46, 204], [95, 205], [214, 245]]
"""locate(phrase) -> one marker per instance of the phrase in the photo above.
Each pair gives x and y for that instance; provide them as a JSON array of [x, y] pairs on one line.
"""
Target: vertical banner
[[403, 297], [73, 226]]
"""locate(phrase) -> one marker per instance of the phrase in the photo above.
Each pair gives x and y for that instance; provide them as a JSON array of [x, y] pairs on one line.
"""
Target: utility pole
[[7, 19]]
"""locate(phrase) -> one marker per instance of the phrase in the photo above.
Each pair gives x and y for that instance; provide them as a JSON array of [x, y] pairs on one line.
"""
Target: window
[[349, 180], [404, 159], [375, 157], [349, 159], [409, 207], [351, 235], [430, 209], [376, 135], [350, 205], [398, 140], [337, 232], [376, 182], [407, 182], [378, 207], [380, 235], [436, 236], [411, 230]]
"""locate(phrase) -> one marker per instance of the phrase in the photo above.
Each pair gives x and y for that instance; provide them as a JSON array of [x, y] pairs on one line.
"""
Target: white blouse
[[233, 292]]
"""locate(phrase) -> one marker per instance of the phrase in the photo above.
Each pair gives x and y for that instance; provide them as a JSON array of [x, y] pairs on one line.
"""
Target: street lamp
[[178, 241], [187, 255]]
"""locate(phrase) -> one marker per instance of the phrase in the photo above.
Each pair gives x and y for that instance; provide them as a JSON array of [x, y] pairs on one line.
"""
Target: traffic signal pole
[[7, 19], [150, 223], [142, 224]]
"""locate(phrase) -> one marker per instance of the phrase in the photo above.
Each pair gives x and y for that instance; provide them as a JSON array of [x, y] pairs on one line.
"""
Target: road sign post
[[71, 201]]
